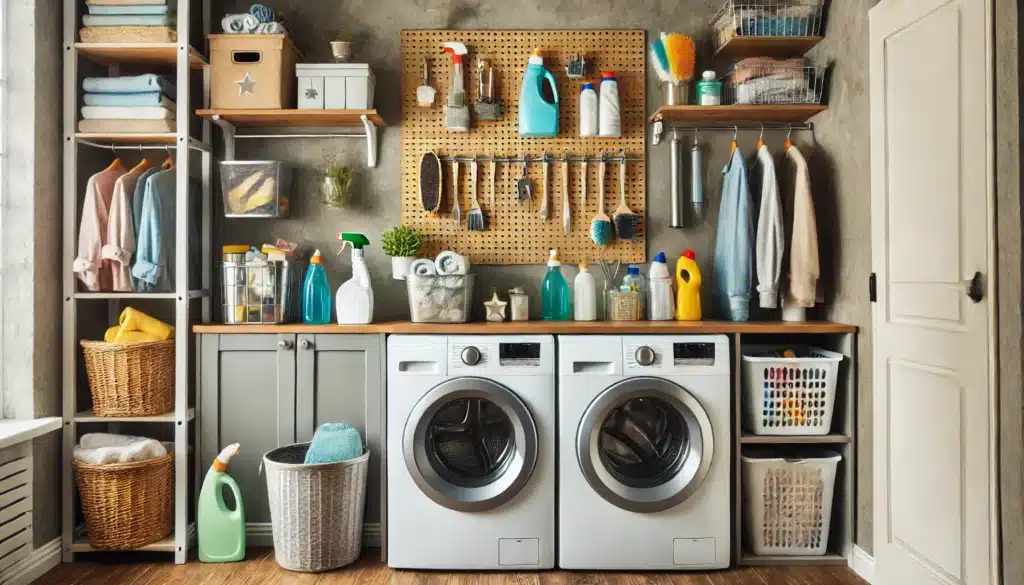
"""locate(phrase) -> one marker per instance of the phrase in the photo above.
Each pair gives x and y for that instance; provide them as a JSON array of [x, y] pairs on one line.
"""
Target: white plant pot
[[400, 266]]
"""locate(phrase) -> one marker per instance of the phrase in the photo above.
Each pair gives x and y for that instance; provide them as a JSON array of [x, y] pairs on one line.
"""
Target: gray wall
[[839, 164]]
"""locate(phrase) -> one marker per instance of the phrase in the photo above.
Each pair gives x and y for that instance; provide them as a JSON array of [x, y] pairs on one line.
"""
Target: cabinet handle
[[284, 344], [305, 344]]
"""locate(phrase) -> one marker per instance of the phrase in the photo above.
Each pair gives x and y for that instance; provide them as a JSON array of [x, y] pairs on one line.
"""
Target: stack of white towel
[[260, 20], [136, 104], [107, 13], [105, 448]]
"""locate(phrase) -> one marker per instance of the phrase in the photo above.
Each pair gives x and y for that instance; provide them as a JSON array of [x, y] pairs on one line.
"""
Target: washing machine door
[[470, 444], [645, 444]]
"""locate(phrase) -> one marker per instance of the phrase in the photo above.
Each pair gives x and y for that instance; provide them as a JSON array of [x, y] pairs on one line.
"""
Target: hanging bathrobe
[[154, 263], [734, 245], [804, 269], [770, 234], [89, 265], [120, 242]]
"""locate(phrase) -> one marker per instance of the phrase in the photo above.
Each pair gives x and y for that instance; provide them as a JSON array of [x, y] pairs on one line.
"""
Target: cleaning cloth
[[333, 443], [135, 320]]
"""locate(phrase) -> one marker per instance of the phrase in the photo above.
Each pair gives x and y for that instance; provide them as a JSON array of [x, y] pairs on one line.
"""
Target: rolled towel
[[239, 23], [116, 335], [270, 28], [333, 443], [135, 320], [129, 84], [449, 263], [262, 12], [423, 267]]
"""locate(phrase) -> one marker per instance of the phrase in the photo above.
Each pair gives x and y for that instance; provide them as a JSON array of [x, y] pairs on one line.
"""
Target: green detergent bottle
[[221, 529]]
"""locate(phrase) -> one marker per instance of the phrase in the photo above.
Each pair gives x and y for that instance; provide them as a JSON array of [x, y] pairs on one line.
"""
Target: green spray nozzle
[[357, 241]]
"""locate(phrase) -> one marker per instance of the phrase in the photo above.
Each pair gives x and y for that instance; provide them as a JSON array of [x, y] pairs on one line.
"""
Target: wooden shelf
[[309, 118], [81, 545], [751, 560], [165, 138], [834, 439], [741, 47], [793, 113], [141, 53], [87, 416]]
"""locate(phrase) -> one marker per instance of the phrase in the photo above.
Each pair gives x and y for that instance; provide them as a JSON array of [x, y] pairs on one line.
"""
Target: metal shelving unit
[[184, 59]]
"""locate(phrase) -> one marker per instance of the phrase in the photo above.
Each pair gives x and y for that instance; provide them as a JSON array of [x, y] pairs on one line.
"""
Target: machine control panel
[[693, 354], [519, 354]]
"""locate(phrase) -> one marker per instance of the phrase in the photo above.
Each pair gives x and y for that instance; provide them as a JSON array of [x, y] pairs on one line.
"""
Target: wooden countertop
[[545, 327]]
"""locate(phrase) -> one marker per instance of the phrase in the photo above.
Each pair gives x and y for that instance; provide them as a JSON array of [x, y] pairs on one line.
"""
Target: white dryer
[[644, 452], [471, 452]]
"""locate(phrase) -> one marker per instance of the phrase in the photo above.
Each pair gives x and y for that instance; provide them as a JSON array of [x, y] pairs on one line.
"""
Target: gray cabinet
[[269, 390]]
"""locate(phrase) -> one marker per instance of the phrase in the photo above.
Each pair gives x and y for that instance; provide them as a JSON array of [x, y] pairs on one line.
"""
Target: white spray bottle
[[354, 301]]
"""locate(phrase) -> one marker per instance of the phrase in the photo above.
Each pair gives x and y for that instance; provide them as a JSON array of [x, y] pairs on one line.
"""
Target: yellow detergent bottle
[[688, 288]]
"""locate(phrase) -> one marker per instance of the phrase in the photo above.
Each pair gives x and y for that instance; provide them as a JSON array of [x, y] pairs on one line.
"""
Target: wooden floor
[[260, 569]]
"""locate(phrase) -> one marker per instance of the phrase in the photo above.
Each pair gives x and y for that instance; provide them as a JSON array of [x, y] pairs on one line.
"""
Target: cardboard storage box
[[334, 86], [251, 72]]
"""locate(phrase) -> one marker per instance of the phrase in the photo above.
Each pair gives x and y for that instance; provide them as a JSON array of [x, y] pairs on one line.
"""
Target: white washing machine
[[644, 452], [471, 452]]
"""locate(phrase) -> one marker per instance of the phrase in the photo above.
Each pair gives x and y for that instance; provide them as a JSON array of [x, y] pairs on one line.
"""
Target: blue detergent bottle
[[538, 111], [316, 293], [555, 299]]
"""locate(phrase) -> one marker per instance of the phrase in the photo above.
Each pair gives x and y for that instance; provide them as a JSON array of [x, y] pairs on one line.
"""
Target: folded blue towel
[[149, 98], [128, 20], [122, 9], [333, 443], [134, 84]]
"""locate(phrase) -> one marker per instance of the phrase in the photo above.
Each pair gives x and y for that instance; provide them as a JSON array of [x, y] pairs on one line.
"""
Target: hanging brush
[[601, 226], [477, 222], [681, 54], [625, 219]]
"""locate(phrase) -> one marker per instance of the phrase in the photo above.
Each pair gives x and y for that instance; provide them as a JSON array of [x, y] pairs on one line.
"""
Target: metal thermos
[[697, 180], [676, 219]]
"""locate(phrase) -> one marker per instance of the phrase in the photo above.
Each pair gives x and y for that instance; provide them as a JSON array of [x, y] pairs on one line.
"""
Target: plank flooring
[[260, 569]]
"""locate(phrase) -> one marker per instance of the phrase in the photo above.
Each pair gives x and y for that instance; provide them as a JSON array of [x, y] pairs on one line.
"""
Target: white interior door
[[931, 212]]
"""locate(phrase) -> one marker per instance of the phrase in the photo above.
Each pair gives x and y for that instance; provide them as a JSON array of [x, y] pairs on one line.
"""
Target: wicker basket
[[130, 379], [127, 505]]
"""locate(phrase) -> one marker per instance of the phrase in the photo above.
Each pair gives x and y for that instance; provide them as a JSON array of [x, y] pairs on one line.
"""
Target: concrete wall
[[839, 161]]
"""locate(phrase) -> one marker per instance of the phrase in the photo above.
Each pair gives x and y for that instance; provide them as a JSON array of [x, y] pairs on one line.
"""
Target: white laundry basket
[[789, 396], [787, 503], [316, 511]]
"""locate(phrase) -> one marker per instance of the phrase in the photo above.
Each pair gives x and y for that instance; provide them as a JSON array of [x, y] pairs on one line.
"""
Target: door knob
[[306, 344], [284, 344], [975, 288]]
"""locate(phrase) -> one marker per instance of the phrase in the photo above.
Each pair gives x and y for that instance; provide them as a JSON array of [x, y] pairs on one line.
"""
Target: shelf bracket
[[229, 136], [371, 141]]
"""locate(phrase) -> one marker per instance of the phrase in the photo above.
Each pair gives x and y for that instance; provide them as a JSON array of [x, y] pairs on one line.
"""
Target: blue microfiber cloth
[[333, 443]]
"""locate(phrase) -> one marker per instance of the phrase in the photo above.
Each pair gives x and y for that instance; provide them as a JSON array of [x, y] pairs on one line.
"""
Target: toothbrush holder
[[677, 93]]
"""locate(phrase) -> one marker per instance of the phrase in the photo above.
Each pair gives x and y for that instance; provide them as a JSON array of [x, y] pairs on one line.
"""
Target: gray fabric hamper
[[316, 511]]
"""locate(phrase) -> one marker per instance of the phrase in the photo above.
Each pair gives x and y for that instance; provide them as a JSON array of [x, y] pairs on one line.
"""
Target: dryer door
[[645, 444], [470, 444]]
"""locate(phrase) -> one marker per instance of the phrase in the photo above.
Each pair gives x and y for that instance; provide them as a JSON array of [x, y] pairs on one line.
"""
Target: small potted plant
[[402, 243], [335, 182]]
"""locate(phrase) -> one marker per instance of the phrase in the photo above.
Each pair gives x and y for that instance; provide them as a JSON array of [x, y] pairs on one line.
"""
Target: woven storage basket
[[130, 379], [127, 505], [316, 510]]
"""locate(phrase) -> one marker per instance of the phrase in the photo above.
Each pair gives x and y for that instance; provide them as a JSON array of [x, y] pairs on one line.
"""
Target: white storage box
[[787, 503], [789, 396], [335, 86]]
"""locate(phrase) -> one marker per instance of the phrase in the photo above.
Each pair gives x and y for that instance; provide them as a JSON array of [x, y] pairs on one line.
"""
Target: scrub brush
[[601, 226], [625, 219], [475, 220], [660, 60], [682, 55], [430, 182]]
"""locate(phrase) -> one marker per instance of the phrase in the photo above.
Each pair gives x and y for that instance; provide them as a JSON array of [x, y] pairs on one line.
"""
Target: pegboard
[[516, 234]]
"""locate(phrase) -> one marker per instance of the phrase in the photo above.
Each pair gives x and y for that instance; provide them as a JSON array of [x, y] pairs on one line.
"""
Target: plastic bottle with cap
[[585, 295], [688, 288], [556, 305], [709, 90], [221, 529], [588, 111], [609, 114], [635, 282], [316, 293], [660, 299]]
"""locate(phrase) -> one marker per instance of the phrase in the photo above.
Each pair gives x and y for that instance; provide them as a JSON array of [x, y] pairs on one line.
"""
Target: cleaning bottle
[[709, 91], [554, 292], [221, 530], [538, 101], [610, 115], [688, 288], [316, 293], [355, 297], [660, 300], [585, 293], [634, 282], [588, 111]]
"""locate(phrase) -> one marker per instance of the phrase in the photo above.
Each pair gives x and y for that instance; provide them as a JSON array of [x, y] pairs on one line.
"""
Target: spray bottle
[[221, 530], [456, 112], [354, 300]]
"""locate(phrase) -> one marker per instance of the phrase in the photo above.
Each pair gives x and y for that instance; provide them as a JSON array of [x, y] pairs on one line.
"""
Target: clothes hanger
[[789, 137], [735, 137], [169, 163], [117, 161], [143, 164], [760, 139]]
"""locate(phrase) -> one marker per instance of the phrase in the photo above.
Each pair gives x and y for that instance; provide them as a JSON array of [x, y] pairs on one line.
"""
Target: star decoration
[[311, 93], [246, 85], [495, 309]]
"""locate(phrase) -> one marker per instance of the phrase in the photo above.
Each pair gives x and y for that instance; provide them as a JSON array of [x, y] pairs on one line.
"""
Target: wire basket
[[257, 292], [762, 80], [440, 299], [789, 396], [767, 18]]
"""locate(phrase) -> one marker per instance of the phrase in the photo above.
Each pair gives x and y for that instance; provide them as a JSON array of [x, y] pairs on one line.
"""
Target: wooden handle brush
[[625, 219], [601, 226]]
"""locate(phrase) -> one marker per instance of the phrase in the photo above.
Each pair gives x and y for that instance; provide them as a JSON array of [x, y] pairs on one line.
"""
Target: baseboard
[[260, 534], [34, 566], [863, 564]]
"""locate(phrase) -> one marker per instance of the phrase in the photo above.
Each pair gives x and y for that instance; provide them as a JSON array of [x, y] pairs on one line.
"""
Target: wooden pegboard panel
[[516, 234]]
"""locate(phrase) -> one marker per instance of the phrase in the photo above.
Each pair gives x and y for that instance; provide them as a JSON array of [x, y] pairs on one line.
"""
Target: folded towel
[[126, 113], [128, 20], [126, 126], [333, 443], [239, 23], [270, 28], [115, 335], [423, 267], [149, 98], [128, 34], [129, 9], [449, 263], [104, 448], [135, 320], [262, 12], [131, 84], [123, 2]]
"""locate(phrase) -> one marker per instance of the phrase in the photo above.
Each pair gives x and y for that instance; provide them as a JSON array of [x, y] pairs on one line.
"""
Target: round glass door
[[470, 444], [645, 444]]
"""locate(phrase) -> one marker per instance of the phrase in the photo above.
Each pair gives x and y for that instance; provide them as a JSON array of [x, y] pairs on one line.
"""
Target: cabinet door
[[341, 379], [248, 397]]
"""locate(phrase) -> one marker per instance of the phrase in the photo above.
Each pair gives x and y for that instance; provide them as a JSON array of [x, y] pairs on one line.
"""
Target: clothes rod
[[742, 127], [266, 136], [139, 147]]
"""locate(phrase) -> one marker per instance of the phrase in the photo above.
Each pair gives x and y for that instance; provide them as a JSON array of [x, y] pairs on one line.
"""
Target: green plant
[[336, 181], [401, 241]]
